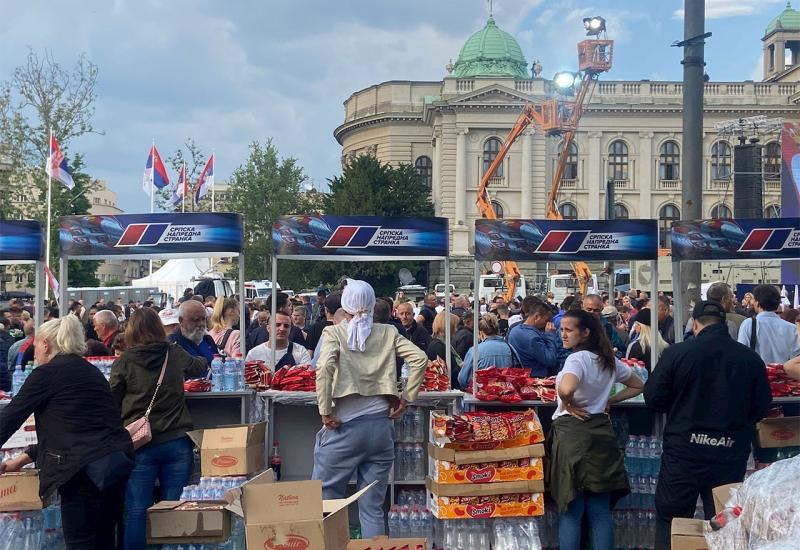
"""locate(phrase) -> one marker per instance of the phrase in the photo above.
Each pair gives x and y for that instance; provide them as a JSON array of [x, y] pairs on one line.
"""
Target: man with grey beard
[[192, 335]]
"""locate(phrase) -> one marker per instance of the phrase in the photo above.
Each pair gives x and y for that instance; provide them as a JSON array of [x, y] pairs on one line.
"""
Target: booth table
[[212, 409]]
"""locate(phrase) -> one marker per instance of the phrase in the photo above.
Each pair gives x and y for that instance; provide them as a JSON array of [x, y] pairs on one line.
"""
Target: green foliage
[[195, 160], [113, 282]]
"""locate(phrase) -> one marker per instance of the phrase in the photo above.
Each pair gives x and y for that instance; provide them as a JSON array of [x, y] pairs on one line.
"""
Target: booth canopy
[[176, 275], [748, 239], [565, 240], [359, 237], [165, 235], [21, 241]]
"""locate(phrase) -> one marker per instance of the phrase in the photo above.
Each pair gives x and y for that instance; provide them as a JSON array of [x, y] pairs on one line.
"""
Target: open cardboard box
[[19, 491], [499, 465], [385, 543], [687, 534], [722, 495], [772, 433], [206, 522], [231, 450], [291, 514]]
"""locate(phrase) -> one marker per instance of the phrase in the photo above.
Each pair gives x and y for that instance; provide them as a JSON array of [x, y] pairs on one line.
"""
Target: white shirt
[[777, 340], [352, 406], [262, 352], [594, 382]]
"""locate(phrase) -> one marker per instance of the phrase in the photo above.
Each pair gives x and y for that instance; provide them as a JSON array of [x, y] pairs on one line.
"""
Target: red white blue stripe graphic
[[142, 234], [352, 236], [766, 239], [563, 242], [57, 165]]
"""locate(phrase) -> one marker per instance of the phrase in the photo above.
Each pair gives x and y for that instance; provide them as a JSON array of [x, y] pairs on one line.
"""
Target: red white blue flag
[[154, 172], [52, 281], [181, 187], [205, 182], [57, 164]]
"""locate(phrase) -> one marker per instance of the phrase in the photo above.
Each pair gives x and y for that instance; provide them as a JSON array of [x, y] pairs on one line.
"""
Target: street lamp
[[565, 80], [594, 25]]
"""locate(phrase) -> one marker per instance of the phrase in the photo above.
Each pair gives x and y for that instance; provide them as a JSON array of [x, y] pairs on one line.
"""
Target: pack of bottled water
[[497, 534], [410, 462], [227, 374], [38, 530], [212, 488], [634, 516], [103, 364]]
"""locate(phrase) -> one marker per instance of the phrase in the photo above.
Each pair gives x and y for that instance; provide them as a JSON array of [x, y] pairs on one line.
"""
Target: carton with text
[[183, 522], [778, 432], [20, 491], [231, 450], [515, 464], [385, 543]]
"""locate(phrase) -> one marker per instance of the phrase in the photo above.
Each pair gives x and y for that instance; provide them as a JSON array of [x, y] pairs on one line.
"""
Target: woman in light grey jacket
[[358, 399]]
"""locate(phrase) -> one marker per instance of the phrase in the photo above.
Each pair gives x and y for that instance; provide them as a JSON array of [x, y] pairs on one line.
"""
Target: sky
[[229, 73]]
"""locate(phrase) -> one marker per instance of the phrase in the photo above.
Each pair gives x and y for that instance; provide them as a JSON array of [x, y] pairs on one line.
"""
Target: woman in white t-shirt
[[587, 472]]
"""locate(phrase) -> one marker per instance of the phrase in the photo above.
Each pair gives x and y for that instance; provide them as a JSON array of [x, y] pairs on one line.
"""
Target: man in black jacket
[[428, 312], [331, 303], [713, 390], [6, 341], [416, 333]]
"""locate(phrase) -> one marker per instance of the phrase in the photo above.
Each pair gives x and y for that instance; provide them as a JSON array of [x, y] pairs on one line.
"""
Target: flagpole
[[152, 192], [184, 189], [49, 200], [213, 181]]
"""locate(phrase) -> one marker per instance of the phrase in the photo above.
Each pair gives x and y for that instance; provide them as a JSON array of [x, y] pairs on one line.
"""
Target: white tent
[[176, 275]]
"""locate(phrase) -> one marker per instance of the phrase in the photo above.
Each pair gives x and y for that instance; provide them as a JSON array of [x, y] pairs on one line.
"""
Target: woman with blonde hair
[[436, 349], [82, 451], [223, 319], [639, 349]]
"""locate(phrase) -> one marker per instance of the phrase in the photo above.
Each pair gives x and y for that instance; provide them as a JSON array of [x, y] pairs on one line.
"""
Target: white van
[[439, 290], [258, 290], [565, 284], [495, 285]]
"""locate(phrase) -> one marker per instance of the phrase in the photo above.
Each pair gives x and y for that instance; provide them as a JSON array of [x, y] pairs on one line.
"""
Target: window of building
[[498, 209], [667, 214], [721, 212], [772, 161], [721, 161], [571, 165], [490, 150], [773, 211], [568, 211], [424, 168], [669, 161], [620, 211], [21, 278], [618, 160]]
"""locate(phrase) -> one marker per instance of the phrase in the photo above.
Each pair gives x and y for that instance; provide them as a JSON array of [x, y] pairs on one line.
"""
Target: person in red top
[[106, 326]]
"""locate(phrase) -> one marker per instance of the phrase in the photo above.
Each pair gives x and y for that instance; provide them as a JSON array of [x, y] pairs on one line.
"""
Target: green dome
[[491, 52], [788, 19]]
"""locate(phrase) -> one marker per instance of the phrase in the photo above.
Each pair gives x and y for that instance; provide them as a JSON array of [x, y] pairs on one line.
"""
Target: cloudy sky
[[228, 73]]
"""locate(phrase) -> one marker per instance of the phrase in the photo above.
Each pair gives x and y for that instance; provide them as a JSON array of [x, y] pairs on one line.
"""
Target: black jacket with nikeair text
[[713, 390]]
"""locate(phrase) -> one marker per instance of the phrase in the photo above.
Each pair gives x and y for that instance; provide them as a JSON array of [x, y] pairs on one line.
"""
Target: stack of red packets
[[296, 378], [780, 383], [512, 385], [436, 378]]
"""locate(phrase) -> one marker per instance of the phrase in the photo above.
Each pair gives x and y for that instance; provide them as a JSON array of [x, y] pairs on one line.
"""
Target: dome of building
[[491, 52], [788, 19]]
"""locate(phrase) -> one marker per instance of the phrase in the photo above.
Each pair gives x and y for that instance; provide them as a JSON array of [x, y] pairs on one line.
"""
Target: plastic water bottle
[[216, 373], [419, 462], [239, 371], [418, 423], [404, 373], [414, 526], [394, 521], [405, 526], [399, 459], [229, 375], [17, 379]]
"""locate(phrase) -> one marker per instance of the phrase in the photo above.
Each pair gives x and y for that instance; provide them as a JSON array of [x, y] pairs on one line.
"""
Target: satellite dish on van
[[406, 278]]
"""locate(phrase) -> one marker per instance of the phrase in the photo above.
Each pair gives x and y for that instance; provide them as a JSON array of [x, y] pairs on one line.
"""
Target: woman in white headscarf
[[358, 398]]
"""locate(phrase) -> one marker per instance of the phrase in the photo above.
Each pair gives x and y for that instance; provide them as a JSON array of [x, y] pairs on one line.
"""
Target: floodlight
[[564, 80], [594, 25]]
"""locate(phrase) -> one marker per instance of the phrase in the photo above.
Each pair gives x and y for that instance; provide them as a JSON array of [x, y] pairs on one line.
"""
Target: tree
[[195, 160], [261, 189], [113, 282], [368, 187], [42, 96]]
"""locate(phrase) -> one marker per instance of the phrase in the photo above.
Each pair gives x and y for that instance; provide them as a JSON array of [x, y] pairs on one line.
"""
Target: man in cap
[[713, 391], [169, 318]]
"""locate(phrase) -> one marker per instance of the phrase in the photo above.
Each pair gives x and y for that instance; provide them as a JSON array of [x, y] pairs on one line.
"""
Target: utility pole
[[693, 82]]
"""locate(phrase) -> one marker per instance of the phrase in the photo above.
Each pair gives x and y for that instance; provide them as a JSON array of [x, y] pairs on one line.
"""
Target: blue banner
[[21, 240], [151, 234], [750, 239], [319, 235], [565, 240]]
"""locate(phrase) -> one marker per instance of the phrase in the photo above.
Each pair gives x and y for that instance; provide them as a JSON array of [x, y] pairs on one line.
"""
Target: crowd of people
[[712, 386]]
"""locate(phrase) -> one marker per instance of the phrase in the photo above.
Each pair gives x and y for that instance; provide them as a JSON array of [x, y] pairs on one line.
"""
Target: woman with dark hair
[[149, 376], [587, 473]]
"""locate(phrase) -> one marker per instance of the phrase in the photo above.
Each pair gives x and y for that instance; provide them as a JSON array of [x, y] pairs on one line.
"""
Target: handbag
[[140, 429]]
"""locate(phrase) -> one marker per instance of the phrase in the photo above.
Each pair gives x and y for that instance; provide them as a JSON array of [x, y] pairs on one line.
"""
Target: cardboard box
[[451, 466], [291, 514], [438, 436], [444, 500], [385, 543], [231, 450], [20, 491], [687, 534], [179, 522], [24, 436], [484, 489], [778, 432], [722, 494]]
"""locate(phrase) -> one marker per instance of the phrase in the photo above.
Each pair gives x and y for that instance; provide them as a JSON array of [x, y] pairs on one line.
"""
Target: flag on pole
[[181, 187], [57, 164], [52, 281], [784, 296], [796, 304], [205, 181], [154, 172]]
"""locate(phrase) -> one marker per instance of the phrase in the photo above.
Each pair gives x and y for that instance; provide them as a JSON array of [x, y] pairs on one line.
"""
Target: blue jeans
[[601, 526], [364, 446], [171, 464]]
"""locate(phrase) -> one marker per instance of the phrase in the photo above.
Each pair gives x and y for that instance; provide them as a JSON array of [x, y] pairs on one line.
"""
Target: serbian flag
[[51, 280], [181, 187], [154, 172], [205, 181], [57, 164]]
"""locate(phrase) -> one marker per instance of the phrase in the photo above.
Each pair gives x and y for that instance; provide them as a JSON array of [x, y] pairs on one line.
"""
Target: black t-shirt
[[503, 323], [315, 333], [429, 314]]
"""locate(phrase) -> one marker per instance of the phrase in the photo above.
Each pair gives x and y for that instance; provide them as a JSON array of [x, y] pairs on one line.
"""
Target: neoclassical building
[[630, 133]]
